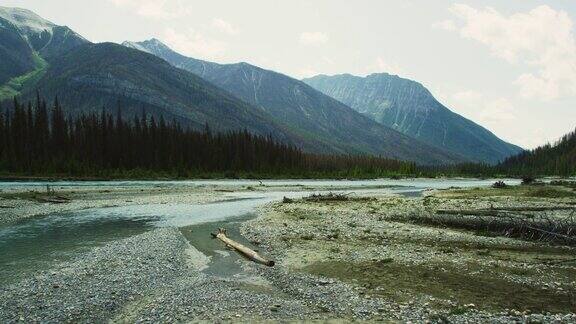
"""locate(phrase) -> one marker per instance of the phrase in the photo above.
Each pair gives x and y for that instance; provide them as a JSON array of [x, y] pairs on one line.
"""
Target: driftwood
[[471, 212], [494, 210], [245, 251], [535, 209], [327, 197], [503, 212], [55, 200], [519, 224]]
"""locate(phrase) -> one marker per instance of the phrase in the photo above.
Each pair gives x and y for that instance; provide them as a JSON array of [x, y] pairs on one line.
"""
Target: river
[[38, 243]]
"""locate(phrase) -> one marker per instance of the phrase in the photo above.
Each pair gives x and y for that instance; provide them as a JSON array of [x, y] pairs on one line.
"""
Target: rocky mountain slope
[[94, 76], [303, 109], [27, 42], [17, 56], [410, 108], [41, 36]]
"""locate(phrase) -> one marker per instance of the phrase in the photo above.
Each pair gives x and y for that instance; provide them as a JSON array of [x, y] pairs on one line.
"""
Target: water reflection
[[36, 244]]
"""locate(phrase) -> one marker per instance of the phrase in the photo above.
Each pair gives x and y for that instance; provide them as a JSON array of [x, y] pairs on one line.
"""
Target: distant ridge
[[409, 107]]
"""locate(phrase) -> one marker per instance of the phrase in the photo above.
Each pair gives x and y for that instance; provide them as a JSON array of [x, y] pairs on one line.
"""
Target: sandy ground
[[365, 258]]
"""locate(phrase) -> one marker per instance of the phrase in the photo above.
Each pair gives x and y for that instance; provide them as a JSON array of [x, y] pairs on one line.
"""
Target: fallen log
[[54, 200], [499, 211], [469, 212], [245, 251], [534, 209]]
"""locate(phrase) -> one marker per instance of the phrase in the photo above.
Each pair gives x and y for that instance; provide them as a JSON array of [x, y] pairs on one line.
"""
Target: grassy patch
[[550, 192], [402, 283], [14, 86]]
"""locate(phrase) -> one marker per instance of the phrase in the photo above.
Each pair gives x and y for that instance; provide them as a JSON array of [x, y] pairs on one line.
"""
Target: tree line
[[40, 140], [551, 159]]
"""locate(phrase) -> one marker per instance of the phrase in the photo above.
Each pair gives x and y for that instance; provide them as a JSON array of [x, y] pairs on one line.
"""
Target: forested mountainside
[[39, 139], [410, 108], [304, 110], [93, 77], [86, 77], [551, 159]]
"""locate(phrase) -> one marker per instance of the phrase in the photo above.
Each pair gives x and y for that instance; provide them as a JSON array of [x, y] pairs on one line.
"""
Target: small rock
[[325, 282]]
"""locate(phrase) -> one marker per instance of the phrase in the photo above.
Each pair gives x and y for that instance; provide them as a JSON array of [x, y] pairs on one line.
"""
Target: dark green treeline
[[551, 159], [39, 140]]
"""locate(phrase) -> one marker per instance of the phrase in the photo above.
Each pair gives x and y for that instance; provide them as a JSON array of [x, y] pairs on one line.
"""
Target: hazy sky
[[508, 65]]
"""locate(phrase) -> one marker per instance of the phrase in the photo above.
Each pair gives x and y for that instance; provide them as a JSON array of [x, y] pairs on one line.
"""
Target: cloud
[[495, 113], [328, 60], [156, 9], [448, 25], [541, 39], [224, 26], [532, 86], [383, 65], [194, 43], [313, 38]]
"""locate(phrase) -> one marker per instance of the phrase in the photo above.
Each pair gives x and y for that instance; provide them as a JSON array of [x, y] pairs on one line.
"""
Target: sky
[[510, 66]]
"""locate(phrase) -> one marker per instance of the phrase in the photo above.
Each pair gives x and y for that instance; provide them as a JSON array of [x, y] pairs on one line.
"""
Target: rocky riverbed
[[382, 253], [364, 257]]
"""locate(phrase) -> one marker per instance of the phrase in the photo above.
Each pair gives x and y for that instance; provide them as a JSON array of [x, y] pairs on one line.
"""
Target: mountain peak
[[25, 20], [155, 41], [152, 46], [408, 107], [148, 44], [136, 45]]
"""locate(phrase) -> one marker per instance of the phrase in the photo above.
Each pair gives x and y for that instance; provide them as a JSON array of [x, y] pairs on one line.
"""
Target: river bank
[[21, 200], [401, 266], [26, 201], [372, 255]]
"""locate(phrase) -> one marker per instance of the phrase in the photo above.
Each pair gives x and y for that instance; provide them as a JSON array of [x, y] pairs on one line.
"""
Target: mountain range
[[299, 107], [150, 77], [90, 77], [410, 108]]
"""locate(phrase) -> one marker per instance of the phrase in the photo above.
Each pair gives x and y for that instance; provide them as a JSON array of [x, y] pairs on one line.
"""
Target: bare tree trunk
[[245, 251]]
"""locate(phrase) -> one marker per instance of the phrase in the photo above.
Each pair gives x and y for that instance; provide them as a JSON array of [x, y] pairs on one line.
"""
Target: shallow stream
[[38, 243]]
